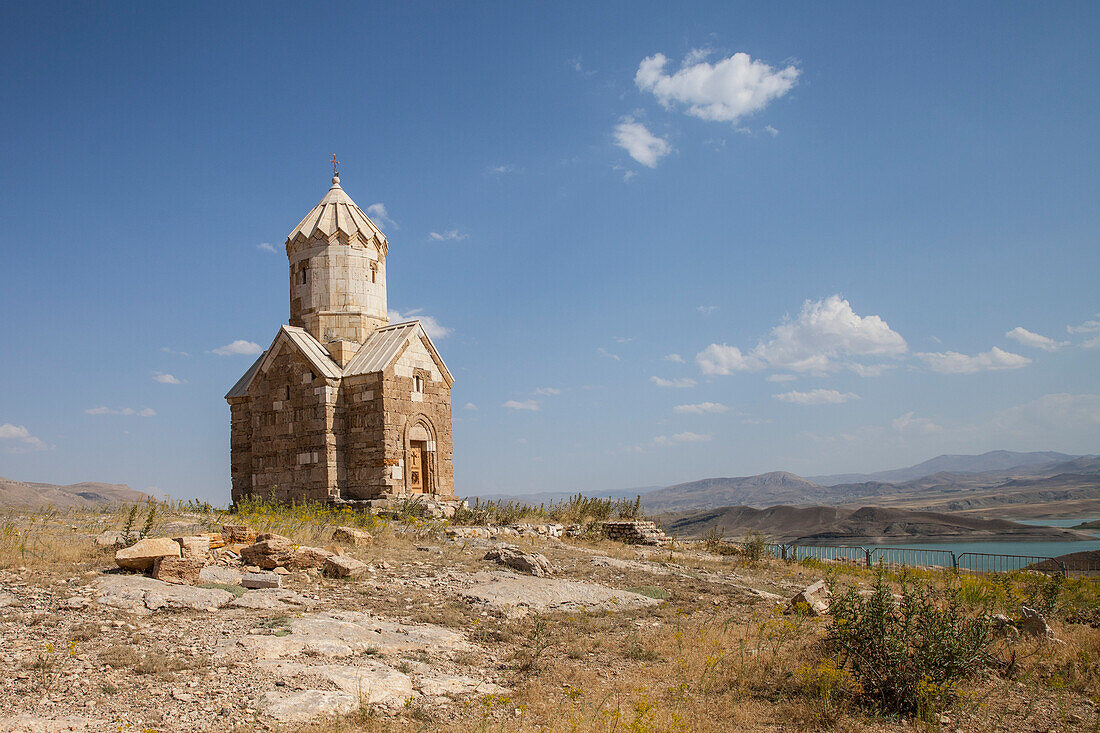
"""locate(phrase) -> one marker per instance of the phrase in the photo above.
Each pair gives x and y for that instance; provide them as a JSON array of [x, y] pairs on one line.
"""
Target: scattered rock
[[7, 599], [140, 595], [515, 595], [533, 563], [261, 580], [141, 555], [309, 557], [1032, 623], [220, 575], [197, 546], [75, 603], [234, 534], [342, 566], [813, 600], [269, 553], [352, 536], [180, 570]]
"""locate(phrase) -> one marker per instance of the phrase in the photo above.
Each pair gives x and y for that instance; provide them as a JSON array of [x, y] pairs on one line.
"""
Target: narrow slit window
[[374, 273], [305, 275], [418, 383]]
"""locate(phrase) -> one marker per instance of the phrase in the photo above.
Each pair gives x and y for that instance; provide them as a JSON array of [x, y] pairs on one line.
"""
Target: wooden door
[[416, 467]]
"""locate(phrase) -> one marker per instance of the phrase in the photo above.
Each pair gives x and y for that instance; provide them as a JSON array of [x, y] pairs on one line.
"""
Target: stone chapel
[[344, 406]]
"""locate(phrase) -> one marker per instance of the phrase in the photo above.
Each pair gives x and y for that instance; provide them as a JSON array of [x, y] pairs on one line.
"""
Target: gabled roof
[[240, 389], [387, 344], [336, 214], [383, 348]]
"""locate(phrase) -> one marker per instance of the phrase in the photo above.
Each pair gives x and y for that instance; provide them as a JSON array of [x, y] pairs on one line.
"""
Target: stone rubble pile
[[533, 563], [633, 531], [186, 560], [491, 532]]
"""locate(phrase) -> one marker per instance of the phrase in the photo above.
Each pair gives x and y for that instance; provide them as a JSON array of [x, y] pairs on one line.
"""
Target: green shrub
[[906, 655], [754, 546]]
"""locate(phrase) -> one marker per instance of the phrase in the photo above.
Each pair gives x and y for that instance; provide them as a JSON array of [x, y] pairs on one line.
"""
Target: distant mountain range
[[996, 460], [1041, 484], [999, 483], [83, 495]]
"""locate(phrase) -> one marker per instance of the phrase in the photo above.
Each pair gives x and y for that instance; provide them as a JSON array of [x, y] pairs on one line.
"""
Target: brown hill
[[762, 490], [866, 525], [84, 495]]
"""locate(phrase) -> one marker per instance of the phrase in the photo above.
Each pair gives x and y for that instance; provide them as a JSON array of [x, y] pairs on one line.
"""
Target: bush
[[754, 546], [906, 655]]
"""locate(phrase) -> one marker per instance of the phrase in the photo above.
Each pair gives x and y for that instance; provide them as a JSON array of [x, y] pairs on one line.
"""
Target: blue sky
[[658, 242]]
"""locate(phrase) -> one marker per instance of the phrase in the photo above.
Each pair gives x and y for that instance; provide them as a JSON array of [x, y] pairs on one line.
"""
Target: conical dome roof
[[336, 214]]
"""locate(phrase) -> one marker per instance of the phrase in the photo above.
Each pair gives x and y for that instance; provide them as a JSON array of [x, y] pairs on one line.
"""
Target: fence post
[[867, 555], [955, 563]]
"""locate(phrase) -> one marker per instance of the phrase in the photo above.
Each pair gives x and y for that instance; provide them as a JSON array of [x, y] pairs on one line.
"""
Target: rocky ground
[[429, 634]]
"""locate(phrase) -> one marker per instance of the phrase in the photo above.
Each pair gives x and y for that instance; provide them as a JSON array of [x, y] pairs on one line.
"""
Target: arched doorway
[[420, 457]]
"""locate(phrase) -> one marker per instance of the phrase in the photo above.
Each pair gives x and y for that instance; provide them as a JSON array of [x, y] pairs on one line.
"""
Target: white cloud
[[723, 359], [678, 383], [622, 339], [824, 332], [908, 424], [240, 347], [1092, 327], [675, 358], [701, 408], [164, 378], [434, 328], [547, 391], [378, 213], [501, 170], [684, 437], [1035, 340], [724, 91], [642, 145], [450, 235], [780, 378], [266, 247], [604, 352], [706, 310], [952, 362], [771, 130], [1086, 327], [17, 439], [129, 411], [531, 405], [826, 336], [816, 397], [469, 406], [168, 350]]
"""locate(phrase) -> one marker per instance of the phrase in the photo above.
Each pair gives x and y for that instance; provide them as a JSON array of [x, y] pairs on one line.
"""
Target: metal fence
[[970, 562]]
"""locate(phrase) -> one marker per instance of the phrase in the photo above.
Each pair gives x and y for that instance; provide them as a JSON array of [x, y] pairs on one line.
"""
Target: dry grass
[[710, 658]]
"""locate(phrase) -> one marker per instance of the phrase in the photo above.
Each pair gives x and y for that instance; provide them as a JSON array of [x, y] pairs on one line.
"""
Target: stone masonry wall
[[240, 447], [364, 449], [297, 423], [403, 408]]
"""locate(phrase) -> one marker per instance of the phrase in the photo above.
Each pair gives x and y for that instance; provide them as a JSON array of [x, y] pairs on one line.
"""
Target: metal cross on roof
[[335, 165]]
